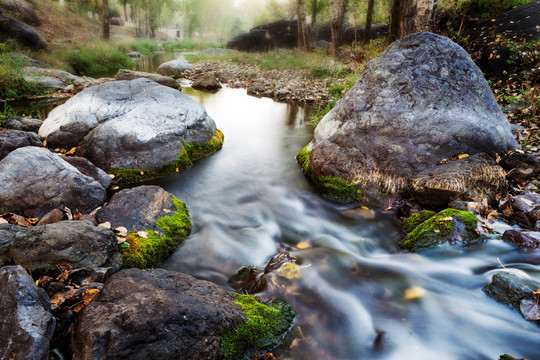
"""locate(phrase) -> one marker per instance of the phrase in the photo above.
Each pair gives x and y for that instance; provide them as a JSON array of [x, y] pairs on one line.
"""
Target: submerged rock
[[174, 68], [471, 178], [167, 315], [421, 101], [33, 181], [27, 323], [447, 226], [523, 210], [14, 139], [510, 289], [522, 239], [135, 129], [209, 84]]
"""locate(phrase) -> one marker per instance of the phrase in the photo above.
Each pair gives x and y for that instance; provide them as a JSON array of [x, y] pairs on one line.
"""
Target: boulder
[[134, 54], [174, 68], [23, 124], [421, 101], [59, 74], [511, 288], [155, 314], [521, 168], [52, 217], [14, 139], [209, 84], [86, 81], [33, 181], [523, 210], [138, 208], [45, 82], [22, 33], [124, 74], [527, 240], [279, 34], [7, 236], [137, 125], [471, 178], [27, 323], [88, 169], [26, 60], [76, 242], [22, 10]]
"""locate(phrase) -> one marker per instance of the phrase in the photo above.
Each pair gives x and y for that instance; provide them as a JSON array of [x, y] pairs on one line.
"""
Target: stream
[[357, 296]]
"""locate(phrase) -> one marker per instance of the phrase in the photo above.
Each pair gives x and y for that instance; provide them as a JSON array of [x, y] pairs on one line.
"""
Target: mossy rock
[[416, 219], [331, 187], [143, 253], [189, 153], [447, 226], [265, 326]]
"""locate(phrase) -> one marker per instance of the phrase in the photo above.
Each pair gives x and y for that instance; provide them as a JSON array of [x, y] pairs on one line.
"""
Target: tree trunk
[[105, 15], [303, 42], [424, 15], [124, 5], [401, 19], [313, 33], [337, 8], [369, 20]]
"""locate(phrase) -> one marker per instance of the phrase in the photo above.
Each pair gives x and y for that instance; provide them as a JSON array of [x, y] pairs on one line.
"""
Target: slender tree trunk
[[303, 42], [337, 8], [313, 33], [424, 15], [401, 19], [369, 20], [124, 5], [105, 15]]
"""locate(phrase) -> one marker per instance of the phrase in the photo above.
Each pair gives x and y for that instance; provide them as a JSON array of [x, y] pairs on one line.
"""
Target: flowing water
[[357, 296]]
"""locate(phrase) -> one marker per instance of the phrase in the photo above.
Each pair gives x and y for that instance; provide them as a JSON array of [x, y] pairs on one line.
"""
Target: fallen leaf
[[463, 156], [303, 245], [122, 231], [120, 240], [18, 220], [89, 295], [3, 221], [72, 151], [142, 234], [413, 293], [106, 225], [69, 215], [77, 215], [289, 271], [530, 309], [115, 188], [56, 300], [111, 176], [448, 218]]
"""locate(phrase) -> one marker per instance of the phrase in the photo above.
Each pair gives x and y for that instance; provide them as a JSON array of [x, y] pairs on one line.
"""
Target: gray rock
[[521, 168], [138, 208], [76, 242], [33, 181], [86, 81], [210, 84], [421, 101], [124, 74], [14, 139], [22, 123], [155, 314], [60, 74], [134, 54], [27, 323], [523, 210], [7, 236], [45, 82], [88, 169], [527, 240], [135, 124], [174, 68], [510, 288], [22, 33], [26, 60], [471, 178], [22, 10]]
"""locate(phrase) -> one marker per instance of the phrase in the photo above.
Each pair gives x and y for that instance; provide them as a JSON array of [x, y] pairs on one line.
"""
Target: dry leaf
[[142, 234], [77, 215], [416, 292], [106, 225], [3, 221], [448, 218], [89, 295], [56, 300], [72, 151], [120, 240], [530, 309], [289, 271], [303, 245], [122, 231], [69, 215]]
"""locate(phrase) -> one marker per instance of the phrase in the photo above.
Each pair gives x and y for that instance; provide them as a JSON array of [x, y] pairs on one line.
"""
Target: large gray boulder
[[48, 78], [33, 181], [421, 101], [77, 242], [138, 208], [22, 33], [27, 323], [135, 124], [155, 314], [174, 68], [14, 139], [89, 169]]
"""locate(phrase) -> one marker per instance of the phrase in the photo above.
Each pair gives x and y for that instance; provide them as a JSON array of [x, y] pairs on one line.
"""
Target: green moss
[[331, 187], [263, 330], [416, 219], [189, 153], [442, 228], [149, 252]]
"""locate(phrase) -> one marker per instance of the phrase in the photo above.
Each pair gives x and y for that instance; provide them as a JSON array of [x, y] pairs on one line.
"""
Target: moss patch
[[331, 187], [144, 253], [265, 327], [449, 225], [189, 153], [416, 219]]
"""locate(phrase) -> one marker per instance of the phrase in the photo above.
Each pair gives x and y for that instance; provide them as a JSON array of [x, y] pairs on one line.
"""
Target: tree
[[303, 41], [105, 15], [337, 9], [369, 20], [401, 19], [425, 10]]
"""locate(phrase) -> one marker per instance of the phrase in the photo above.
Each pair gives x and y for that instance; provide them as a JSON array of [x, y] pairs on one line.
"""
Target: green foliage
[[479, 8], [144, 46], [416, 219], [149, 252], [264, 328], [524, 55], [12, 82], [438, 228], [191, 44]]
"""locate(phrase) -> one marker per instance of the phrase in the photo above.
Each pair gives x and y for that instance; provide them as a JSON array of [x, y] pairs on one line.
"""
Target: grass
[[190, 44]]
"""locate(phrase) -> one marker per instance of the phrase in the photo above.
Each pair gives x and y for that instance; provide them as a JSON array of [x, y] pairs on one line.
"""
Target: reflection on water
[[251, 198]]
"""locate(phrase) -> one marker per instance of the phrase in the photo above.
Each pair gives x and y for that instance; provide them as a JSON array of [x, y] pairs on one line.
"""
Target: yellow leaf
[[463, 156], [413, 293], [364, 207], [289, 271], [303, 245], [89, 295], [72, 151]]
